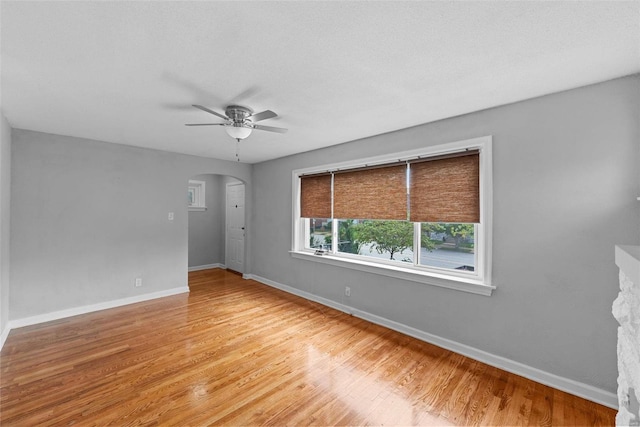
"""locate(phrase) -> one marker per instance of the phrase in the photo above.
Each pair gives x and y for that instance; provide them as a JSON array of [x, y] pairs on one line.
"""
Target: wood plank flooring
[[236, 352]]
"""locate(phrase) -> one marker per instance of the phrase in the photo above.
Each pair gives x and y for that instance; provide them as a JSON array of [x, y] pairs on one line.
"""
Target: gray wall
[[89, 217], [5, 212], [566, 177], [206, 228]]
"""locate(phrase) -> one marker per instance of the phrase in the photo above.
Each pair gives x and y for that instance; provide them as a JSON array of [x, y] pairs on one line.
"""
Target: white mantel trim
[[628, 260], [626, 310]]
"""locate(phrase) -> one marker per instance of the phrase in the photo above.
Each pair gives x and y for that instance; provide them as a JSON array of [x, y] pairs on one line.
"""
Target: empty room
[[319, 213]]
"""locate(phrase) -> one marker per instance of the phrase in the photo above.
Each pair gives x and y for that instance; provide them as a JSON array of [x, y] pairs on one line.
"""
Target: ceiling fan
[[240, 121]]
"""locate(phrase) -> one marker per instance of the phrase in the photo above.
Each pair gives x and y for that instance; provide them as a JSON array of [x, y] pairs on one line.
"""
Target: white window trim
[[480, 283], [198, 188]]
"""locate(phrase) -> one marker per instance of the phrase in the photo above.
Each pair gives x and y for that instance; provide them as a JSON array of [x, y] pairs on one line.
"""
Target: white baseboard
[[47, 317], [4, 335], [207, 267], [576, 388]]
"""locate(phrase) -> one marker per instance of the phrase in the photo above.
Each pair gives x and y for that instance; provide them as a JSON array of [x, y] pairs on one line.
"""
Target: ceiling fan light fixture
[[239, 121], [238, 132]]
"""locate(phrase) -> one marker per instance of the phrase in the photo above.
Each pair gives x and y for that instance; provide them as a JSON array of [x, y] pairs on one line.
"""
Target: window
[[422, 215], [319, 233], [391, 241], [195, 196], [448, 246]]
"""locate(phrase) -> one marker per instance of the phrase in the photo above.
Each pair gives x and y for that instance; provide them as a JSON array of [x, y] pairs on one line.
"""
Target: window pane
[[347, 241], [319, 234], [450, 246], [390, 240]]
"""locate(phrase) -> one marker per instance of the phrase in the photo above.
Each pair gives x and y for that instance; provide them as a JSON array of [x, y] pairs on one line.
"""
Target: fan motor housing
[[238, 113]]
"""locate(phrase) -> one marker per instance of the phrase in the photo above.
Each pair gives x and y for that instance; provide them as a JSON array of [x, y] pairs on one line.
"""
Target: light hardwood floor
[[236, 352]]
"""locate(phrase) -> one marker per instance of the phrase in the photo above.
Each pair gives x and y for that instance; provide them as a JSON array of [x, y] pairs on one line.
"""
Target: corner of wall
[[5, 219]]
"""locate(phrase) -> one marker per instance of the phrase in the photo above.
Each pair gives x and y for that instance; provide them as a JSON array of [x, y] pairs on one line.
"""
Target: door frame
[[226, 226]]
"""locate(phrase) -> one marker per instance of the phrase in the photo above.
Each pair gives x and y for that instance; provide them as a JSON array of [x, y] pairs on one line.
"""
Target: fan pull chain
[[237, 149]]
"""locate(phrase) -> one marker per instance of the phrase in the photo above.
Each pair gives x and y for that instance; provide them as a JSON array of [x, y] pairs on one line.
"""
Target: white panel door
[[234, 248]]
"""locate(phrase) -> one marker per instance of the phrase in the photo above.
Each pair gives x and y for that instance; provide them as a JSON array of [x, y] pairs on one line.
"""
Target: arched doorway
[[208, 224]]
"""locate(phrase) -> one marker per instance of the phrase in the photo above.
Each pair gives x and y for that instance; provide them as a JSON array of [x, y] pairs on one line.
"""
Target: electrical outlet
[[347, 291], [170, 216], [138, 282]]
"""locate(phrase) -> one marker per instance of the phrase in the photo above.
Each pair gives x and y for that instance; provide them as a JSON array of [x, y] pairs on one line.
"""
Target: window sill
[[197, 208], [429, 278]]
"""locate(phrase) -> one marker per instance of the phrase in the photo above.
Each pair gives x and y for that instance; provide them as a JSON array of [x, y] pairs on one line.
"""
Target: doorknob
[[243, 228]]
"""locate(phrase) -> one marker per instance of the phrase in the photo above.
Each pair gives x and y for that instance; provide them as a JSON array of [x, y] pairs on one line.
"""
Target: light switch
[[170, 216]]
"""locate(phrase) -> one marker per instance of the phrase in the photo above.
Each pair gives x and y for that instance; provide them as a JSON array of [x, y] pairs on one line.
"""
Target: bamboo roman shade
[[315, 196], [446, 190], [371, 193], [442, 189]]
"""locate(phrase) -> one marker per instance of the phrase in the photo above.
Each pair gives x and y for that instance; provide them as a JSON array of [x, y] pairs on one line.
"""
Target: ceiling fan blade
[[211, 111], [205, 124], [270, 128], [267, 114]]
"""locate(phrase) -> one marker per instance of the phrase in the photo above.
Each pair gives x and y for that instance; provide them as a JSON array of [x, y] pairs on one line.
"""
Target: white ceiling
[[127, 72]]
